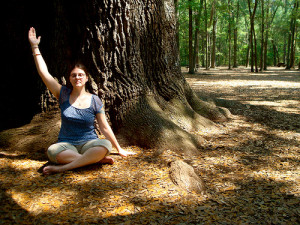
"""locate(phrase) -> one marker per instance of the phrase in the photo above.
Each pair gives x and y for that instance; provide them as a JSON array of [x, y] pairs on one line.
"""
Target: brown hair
[[81, 66]]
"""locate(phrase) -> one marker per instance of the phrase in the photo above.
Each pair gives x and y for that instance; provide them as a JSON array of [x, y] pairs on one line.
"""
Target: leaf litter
[[250, 168]]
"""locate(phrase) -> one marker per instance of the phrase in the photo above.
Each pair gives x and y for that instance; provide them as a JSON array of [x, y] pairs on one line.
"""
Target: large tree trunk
[[131, 50]]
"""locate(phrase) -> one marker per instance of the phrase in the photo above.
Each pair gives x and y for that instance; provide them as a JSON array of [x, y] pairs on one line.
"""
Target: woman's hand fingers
[[32, 37], [125, 153]]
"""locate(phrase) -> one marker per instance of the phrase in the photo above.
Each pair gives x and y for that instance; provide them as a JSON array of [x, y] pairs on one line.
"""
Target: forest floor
[[250, 167]]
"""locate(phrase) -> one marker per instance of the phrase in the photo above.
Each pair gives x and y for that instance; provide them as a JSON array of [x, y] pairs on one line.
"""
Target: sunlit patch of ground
[[250, 167]]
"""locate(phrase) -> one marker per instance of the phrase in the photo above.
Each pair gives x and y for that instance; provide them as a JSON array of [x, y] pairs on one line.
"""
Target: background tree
[[191, 58], [252, 35], [262, 35], [235, 35], [229, 34], [291, 39], [197, 34], [214, 35]]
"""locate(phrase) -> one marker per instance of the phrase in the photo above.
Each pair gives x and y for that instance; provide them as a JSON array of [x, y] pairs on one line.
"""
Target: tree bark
[[255, 51], [275, 53], [252, 36], [266, 37], [291, 45], [206, 37], [130, 48], [262, 35], [191, 61], [213, 51], [229, 34], [235, 45], [248, 39], [184, 176], [197, 32]]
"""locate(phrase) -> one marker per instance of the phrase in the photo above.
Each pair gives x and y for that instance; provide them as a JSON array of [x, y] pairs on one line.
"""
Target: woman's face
[[78, 78]]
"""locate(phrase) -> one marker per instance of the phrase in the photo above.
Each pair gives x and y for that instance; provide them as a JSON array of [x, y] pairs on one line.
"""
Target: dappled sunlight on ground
[[276, 88]]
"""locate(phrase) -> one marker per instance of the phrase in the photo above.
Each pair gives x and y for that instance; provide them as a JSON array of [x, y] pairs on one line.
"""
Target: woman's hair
[[81, 66]]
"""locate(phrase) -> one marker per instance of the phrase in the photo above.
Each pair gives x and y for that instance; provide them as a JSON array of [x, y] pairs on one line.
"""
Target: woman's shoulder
[[64, 94], [65, 89], [98, 105], [96, 98]]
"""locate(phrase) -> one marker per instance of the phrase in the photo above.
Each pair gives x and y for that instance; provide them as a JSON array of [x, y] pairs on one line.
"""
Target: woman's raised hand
[[32, 37]]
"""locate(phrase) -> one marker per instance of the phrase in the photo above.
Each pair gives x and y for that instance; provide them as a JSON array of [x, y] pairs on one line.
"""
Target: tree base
[[160, 124]]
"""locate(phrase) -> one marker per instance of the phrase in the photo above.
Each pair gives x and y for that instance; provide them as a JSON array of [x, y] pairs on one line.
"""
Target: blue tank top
[[77, 125]]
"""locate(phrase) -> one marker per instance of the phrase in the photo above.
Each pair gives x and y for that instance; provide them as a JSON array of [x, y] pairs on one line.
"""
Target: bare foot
[[51, 169], [107, 160]]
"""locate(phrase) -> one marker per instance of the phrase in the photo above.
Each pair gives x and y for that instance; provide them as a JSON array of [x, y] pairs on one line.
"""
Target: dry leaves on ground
[[250, 167]]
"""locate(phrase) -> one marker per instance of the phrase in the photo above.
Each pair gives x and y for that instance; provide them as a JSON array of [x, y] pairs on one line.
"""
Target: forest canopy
[[220, 32]]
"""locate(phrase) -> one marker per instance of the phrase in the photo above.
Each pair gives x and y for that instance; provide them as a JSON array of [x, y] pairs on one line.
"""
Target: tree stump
[[184, 176]]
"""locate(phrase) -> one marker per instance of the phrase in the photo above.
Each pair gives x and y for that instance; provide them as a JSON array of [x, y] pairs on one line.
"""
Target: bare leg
[[92, 155], [67, 156]]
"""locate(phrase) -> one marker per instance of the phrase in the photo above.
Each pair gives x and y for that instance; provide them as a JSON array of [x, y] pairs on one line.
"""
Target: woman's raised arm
[[41, 66]]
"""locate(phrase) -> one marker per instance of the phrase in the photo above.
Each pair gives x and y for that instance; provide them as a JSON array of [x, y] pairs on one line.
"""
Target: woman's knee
[[98, 143], [56, 149], [99, 150]]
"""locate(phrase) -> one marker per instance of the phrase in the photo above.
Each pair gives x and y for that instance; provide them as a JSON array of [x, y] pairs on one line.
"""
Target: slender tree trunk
[[247, 54], [197, 32], [206, 37], [274, 54], [213, 51], [284, 59], [248, 40], [191, 61], [203, 34], [251, 50], [252, 35], [235, 45], [177, 22], [229, 34], [262, 35], [293, 32], [255, 51], [266, 37]]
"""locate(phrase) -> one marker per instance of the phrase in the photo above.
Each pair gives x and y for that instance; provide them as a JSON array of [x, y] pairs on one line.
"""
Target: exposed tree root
[[206, 109], [184, 176], [34, 137], [156, 123]]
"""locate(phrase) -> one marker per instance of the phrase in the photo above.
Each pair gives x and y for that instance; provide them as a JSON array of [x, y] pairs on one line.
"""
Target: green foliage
[[277, 18]]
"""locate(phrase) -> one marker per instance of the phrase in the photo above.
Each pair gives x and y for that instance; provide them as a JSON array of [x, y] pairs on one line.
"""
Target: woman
[[78, 144]]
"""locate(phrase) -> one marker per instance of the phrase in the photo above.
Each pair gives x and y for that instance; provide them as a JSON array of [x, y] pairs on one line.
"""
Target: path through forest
[[250, 166]]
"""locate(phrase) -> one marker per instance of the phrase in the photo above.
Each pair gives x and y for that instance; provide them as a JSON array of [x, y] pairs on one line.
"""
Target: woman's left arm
[[109, 134]]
